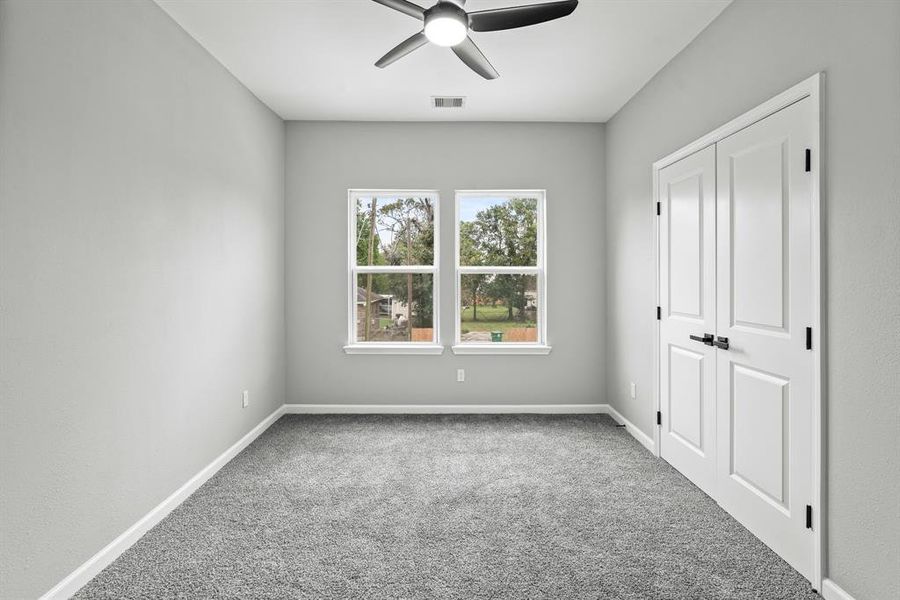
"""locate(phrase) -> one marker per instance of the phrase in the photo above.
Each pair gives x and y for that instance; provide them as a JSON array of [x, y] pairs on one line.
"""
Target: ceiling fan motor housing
[[446, 23]]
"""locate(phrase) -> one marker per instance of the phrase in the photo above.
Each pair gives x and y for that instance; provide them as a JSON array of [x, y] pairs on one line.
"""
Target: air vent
[[447, 101]]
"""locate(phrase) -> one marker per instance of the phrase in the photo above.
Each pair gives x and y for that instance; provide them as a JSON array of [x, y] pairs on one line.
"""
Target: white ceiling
[[313, 59]]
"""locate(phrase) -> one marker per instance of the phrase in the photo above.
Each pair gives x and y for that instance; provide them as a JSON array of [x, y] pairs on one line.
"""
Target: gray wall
[[753, 51], [325, 159], [141, 274]]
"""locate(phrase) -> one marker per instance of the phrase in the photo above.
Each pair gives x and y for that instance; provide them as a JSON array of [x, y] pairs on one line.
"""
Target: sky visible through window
[[470, 206]]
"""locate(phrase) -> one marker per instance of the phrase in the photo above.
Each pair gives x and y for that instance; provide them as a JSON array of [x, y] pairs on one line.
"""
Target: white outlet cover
[[633, 390], [245, 399], [460, 375]]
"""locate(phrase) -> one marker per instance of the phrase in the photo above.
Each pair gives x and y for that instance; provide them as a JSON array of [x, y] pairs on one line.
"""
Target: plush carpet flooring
[[456, 507]]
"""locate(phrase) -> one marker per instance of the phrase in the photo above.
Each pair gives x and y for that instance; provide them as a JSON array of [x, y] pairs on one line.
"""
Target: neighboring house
[[375, 305], [384, 306], [399, 308], [380, 306]]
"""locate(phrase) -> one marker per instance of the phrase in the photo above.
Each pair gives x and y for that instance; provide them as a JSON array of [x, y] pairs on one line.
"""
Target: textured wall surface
[[325, 159], [141, 274], [753, 51]]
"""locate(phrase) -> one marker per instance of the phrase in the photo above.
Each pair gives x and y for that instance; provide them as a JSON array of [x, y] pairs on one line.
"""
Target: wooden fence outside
[[520, 334], [515, 334], [422, 334]]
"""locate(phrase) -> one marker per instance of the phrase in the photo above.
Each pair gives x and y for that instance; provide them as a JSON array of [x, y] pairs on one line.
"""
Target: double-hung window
[[501, 278], [393, 272]]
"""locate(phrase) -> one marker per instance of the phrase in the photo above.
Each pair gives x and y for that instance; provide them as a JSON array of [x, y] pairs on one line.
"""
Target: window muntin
[[500, 274], [393, 268]]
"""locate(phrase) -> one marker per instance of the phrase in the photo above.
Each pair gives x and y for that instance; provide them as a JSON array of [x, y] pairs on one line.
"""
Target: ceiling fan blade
[[519, 16], [469, 53], [407, 8], [402, 49]]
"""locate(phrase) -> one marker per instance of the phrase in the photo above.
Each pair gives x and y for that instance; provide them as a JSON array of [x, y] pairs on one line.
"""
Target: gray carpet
[[465, 507]]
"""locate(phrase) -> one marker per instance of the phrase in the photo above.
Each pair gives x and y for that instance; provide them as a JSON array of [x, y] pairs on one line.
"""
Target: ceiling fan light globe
[[445, 30]]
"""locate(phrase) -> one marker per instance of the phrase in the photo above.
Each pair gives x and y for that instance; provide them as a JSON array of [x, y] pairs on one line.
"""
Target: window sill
[[393, 349], [501, 349]]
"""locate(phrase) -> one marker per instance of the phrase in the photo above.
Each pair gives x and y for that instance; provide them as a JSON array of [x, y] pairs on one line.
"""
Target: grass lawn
[[491, 318]]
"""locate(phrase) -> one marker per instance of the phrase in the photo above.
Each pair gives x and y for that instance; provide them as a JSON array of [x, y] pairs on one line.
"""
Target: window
[[393, 259], [501, 300]]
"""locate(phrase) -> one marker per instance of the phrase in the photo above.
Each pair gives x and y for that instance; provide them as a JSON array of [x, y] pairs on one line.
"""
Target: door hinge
[[659, 313], [808, 160], [658, 209], [809, 338], [808, 516], [659, 417]]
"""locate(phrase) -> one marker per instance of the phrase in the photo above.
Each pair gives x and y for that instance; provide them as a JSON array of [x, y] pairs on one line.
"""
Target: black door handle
[[721, 342], [706, 339]]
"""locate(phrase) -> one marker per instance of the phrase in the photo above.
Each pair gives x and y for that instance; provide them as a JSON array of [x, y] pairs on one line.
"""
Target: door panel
[[687, 279], [686, 246], [686, 396], [763, 294], [760, 432], [759, 223]]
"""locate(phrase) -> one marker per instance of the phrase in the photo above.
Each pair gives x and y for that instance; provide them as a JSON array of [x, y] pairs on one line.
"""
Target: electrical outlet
[[245, 399], [460, 375], [633, 391]]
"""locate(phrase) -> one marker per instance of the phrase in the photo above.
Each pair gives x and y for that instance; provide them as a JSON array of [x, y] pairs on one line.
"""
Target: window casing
[[394, 280], [500, 269]]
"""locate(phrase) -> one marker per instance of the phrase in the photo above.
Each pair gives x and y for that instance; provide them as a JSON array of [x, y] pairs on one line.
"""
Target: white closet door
[[764, 377], [687, 195]]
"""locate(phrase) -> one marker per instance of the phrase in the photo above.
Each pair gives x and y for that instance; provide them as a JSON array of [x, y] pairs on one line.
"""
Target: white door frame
[[808, 88]]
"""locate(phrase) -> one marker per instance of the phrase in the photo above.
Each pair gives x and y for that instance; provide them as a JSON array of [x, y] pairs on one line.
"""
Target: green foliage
[[404, 236], [363, 229], [411, 224], [501, 235], [408, 225], [470, 253], [504, 234]]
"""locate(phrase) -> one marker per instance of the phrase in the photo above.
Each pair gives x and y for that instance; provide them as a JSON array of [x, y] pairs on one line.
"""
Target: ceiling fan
[[448, 24]]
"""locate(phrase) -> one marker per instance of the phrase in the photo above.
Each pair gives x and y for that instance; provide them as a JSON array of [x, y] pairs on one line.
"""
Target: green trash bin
[[496, 336]]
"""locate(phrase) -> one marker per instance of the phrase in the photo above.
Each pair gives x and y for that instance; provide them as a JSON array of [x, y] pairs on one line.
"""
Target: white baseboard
[[832, 591], [444, 409], [645, 440], [90, 568]]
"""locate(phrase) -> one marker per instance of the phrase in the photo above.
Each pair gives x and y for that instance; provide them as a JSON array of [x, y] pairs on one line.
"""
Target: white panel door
[[764, 305], [687, 226]]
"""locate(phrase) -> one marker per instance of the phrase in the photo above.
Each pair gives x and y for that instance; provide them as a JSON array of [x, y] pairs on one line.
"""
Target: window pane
[[403, 232], [399, 307], [498, 232], [498, 308]]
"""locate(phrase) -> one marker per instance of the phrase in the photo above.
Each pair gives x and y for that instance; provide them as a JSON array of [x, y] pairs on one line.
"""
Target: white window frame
[[540, 269], [356, 347]]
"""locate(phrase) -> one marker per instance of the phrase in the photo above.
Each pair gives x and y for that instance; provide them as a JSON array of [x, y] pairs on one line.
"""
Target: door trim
[[808, 88]]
